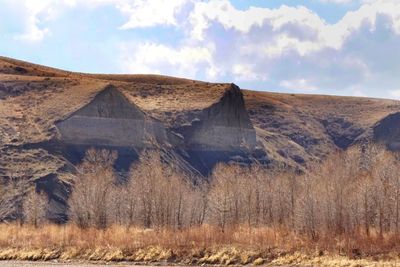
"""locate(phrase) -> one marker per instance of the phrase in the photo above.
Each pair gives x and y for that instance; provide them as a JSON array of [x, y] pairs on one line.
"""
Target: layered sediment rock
[[222, 132], [110, 120], [224, 126]]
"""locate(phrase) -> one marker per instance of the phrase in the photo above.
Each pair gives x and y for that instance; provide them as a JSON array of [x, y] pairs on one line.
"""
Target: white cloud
[[395, 94], [301, 85], [162, 59], [292, 27], [338, 1], [245, 72], [35, 12], [144, 13], [297, 49], [224, 13], [288, 47], [139, 13]]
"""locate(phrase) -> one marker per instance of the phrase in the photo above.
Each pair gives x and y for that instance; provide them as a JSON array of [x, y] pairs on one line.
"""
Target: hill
[[50, 117]]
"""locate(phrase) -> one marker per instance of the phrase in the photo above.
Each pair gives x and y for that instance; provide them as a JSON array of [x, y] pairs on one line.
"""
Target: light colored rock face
[[224, 126], [110, 120], [109, 131]]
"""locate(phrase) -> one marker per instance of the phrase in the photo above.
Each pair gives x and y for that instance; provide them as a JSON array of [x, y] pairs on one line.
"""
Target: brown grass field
[[202, 245]]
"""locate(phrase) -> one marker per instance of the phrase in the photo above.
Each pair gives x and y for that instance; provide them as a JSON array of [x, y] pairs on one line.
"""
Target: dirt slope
[[298, 128]]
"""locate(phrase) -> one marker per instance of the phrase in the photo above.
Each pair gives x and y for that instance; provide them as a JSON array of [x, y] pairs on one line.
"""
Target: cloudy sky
[[344, 47]]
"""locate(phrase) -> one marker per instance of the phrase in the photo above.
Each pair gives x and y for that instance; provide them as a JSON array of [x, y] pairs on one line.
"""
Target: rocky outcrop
[[222, 132], [223, 126], [387, 131], [110, 120]]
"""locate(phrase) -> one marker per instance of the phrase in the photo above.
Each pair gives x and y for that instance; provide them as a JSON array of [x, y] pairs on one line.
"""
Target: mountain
[[50, 117]]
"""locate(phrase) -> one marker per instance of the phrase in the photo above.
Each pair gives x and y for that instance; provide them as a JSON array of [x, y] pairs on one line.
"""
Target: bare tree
[[308, 207], [395, 183], [162, 195], [34, 207], [198, 203], [220, 197], [144, 178], [92, 189]]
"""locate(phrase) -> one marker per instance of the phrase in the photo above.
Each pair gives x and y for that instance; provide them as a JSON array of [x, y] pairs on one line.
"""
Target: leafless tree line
[[356, 191], [155, 194], [352, 191], [20, 201]]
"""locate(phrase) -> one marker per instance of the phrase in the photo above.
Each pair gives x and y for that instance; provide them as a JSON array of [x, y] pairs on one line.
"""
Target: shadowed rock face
[[387, 131], [57, 192], [224, 126], [342, 132], [223, 133]]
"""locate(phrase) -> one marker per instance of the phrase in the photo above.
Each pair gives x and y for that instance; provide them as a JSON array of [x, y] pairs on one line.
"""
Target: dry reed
[[196, 245]]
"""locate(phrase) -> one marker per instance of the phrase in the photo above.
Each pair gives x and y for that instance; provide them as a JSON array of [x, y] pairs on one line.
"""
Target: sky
[[340, 47]]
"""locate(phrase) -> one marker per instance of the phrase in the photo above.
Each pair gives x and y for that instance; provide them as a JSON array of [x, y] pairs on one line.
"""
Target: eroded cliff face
[[224, 126], [110, 120], [387, 131], [221, 132]]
